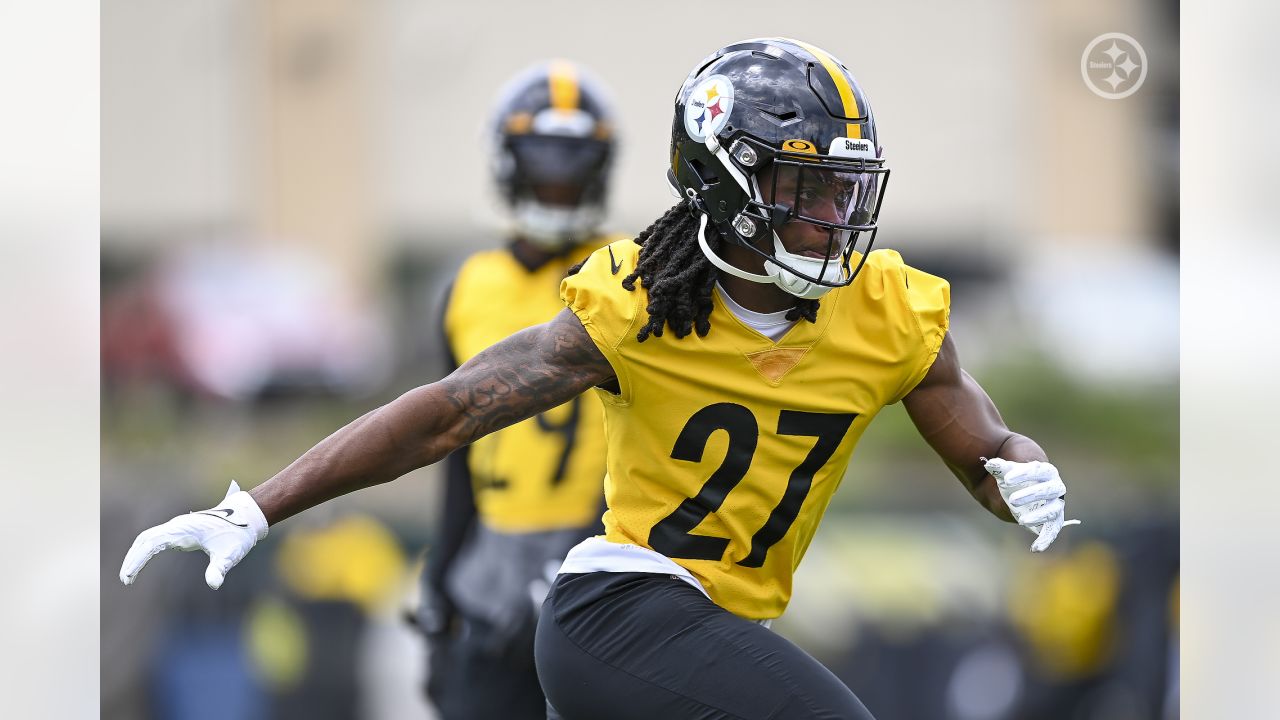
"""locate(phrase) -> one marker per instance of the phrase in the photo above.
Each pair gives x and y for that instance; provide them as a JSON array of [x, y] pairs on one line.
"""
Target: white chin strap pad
[[829, 271]]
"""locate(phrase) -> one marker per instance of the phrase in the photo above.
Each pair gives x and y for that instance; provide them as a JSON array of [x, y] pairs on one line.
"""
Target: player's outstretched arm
[[529, 372], [1008, 473]]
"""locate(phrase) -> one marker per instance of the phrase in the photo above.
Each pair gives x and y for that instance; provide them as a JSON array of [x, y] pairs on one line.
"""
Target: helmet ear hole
[[704, 172]]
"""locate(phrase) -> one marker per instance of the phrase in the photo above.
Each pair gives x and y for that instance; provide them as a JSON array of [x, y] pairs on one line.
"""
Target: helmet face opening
[[818, 207], [558, 170]]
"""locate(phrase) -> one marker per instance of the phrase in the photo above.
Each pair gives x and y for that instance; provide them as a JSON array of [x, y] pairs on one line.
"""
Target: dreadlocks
[[679, 278]]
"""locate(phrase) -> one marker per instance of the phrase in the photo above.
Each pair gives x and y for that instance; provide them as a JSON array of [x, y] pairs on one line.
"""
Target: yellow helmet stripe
[[562, 77], [850, 103]]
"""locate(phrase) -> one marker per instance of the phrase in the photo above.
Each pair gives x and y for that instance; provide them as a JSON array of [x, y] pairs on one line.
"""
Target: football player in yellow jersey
[[740, 346], [516, 501]]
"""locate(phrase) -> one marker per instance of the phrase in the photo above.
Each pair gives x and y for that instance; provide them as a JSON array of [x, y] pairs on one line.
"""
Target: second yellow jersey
[[544, 473], [724, 450]]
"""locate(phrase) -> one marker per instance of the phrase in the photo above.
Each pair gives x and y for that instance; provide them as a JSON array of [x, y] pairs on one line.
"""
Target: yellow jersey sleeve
[[607, 310], [928, 299]]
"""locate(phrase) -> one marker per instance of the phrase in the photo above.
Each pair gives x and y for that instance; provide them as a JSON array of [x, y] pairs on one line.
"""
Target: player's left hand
[[1035, 495]]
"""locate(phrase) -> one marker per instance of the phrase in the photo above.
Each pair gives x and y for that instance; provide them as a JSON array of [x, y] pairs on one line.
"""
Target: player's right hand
[[225, 533]]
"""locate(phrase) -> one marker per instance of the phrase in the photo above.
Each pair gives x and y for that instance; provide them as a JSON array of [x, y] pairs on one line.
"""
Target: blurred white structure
[[341, 120], [1103, 315]]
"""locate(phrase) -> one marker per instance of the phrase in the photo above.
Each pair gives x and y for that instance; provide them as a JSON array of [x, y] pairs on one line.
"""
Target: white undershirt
[[771, 325], [596, 554]]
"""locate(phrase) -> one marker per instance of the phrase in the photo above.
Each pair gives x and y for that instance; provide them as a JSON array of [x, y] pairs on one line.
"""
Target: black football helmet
[[794, 109], [553, 147]]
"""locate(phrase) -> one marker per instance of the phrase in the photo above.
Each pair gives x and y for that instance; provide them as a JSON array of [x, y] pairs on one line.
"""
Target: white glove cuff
[[246, 510]]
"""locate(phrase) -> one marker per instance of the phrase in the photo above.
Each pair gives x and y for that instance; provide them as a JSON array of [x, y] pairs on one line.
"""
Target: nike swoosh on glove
[[225, 533], [1035, 495]]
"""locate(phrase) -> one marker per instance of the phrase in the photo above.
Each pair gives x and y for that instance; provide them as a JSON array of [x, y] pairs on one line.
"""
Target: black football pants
[[647, 646]]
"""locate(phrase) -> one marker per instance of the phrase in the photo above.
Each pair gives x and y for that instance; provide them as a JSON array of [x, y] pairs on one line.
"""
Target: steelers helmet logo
[[707, 108]]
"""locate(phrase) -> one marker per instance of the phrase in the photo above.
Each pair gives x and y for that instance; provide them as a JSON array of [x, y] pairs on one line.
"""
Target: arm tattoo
[[532, 371], [529, 372]]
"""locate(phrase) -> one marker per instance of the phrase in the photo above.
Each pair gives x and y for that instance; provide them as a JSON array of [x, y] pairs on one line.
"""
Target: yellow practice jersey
[[544, 473], [724, 450]]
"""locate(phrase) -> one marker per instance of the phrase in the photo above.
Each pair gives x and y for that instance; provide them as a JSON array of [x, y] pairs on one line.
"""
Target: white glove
[[225, 533], [1035, 495]]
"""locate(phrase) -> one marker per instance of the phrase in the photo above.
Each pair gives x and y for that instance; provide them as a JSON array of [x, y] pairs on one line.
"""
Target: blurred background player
[[517, 500]]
